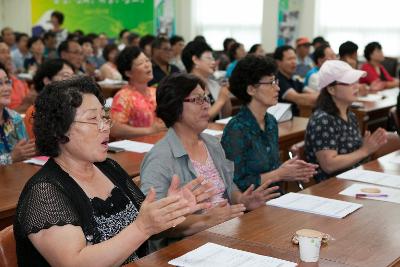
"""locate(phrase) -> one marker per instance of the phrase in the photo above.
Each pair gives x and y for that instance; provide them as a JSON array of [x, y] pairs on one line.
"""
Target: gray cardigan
[[168, 157]]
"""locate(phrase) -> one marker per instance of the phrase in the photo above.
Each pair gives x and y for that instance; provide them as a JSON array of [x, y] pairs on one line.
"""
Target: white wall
[[16, 14]]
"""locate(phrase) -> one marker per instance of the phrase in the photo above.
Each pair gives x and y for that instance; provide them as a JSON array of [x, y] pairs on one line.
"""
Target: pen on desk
[[371, 195], [298, 182]]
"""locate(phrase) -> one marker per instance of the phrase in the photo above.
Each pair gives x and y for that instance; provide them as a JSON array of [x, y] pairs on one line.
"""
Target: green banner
[[109, 16]]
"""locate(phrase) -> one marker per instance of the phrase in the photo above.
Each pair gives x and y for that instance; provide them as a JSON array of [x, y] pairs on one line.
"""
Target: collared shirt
[[19, 59], [312, 79], [252, 150], [11, 132], [167, 158], [303, 66], [158, 73], [330, 132], [372, 74], [285, 84], [230, 68]]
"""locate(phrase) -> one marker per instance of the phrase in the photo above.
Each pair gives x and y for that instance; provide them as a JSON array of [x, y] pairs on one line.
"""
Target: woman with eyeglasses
[[133, 107], [14, 143], [80, 208], [199, 60], [183, 105], [51, 70], [250, 139], [333, 139]]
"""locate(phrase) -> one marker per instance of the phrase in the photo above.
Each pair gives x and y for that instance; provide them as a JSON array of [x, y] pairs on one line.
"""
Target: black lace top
[[51, 197]]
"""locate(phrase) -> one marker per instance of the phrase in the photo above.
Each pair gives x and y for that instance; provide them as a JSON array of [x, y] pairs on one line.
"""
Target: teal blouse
[[252, 150]]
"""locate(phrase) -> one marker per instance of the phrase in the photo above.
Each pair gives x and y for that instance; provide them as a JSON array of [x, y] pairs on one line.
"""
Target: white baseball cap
[[338, 71]]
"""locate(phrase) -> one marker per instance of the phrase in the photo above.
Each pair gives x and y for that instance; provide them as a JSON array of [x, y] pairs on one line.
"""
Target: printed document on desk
[[371, 177], [314, 204], [211, 254]]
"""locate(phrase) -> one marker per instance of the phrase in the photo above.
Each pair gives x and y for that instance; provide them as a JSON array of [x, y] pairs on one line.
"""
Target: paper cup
[[309, 244]]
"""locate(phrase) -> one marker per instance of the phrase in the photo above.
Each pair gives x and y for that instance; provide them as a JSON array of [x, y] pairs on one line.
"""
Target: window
[[217, 20], [360, 21]]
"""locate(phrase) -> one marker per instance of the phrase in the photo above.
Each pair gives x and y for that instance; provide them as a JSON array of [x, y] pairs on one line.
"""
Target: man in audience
[[123, 39], [321, 54], [161, 55], [8, 37], [223, 59], [22, 53], [21, 96], [348, 53], [145, 44], [103, 41], [177, 45], [133, 39], [50, 45], [304, 62], [318, 41], [57, 19], [71, 51], [291, 91]]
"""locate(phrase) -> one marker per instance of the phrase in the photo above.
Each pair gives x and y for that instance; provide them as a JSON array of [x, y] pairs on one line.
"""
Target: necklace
[[74, 174]]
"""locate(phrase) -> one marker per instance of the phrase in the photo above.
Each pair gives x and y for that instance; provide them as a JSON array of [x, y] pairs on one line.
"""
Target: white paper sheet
[[313, 204], [281, 111], [213, 132], [112, 82], [211, 254], [224, 121], [41, 160], [393, 195], [370, 97], [132, 146], [371, 177], [109, 102], [395, 159]]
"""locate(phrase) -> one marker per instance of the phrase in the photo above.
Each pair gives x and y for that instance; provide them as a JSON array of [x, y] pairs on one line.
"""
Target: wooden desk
[[161, 257], [372, 115], [12, 179], [368, 237], [375, 114]]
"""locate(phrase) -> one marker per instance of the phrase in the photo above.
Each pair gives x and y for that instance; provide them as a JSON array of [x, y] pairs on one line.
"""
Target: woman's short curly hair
[[171, 92], [55, 110], [125, 59], [249, 71]]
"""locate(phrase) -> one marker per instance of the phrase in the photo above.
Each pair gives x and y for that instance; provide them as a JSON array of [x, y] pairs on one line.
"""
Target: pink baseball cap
[[338, 71]]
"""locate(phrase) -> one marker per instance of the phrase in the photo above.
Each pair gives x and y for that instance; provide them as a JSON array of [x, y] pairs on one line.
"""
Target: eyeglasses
[[5, 82], [76, 52], [273, 82], [208, 58], [102, 124], [198, 100]]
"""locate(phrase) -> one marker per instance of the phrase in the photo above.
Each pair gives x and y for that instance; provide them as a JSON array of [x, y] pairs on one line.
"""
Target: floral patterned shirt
[[132, 107], [11, 132]]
